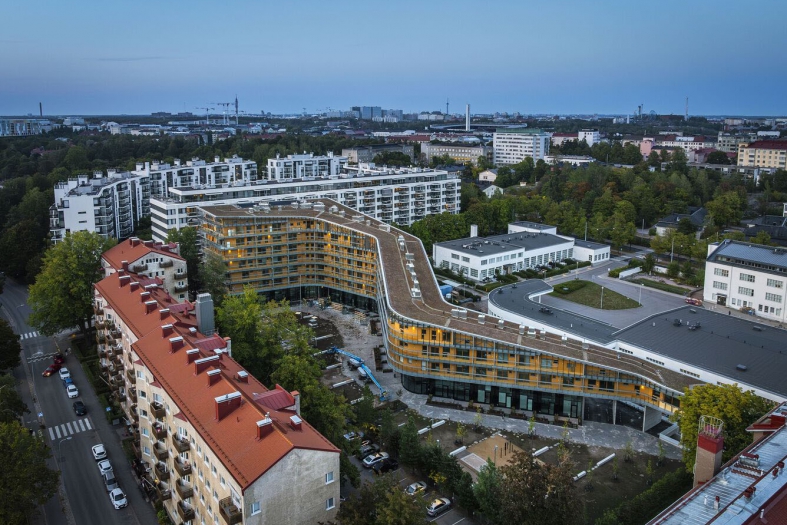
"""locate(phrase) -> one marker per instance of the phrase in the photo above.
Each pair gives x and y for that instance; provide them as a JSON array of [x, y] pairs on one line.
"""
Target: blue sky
[[533, 57]]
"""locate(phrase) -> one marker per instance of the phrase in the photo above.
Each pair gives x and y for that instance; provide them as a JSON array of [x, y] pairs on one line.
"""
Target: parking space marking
[[460, 521], [51, 434]]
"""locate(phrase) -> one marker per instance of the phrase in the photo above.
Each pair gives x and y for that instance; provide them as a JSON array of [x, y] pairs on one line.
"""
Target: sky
[[561, 57]]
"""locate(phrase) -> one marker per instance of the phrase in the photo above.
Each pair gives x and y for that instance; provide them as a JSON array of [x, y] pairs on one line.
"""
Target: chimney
[[124, 264], [175, 343], [149, 244], [710, 445], [204, 309], [124, 280], [242, 377], [144, 297], [163, 313], [295, 422], [166, 330], [214, 376], [134, 241], [716, 503], [228, 342], [192, 355], [297, 396], [202, 364], [134, 286], [467, 117], [264, 427], [473, 230], [226, 404], [150, 306]]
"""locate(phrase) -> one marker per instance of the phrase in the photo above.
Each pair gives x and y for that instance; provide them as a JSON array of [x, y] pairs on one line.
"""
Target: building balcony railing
[[181, 275], [185, 490], [160, 451], [162, 471], [139, 268], [160, 431], [166, 264], [131, 375], [180, 444], [132, 393], [133, 410], [163, 491], [229, 511], [182, 467], [158, 410], [98, 310], [181, 288], [185, 511]]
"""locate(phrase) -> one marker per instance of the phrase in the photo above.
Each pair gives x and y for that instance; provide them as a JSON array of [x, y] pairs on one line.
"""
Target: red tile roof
[[133, 249], [768, 144], [233, 437]]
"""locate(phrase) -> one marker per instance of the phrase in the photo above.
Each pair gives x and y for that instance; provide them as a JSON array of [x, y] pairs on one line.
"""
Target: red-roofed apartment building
[[222, 448], [152, 260], [763, 154]]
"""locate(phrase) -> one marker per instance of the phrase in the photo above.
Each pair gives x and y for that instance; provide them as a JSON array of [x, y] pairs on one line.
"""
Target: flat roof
[[495, 244], [534, 225], [762, 258], [590, 245]]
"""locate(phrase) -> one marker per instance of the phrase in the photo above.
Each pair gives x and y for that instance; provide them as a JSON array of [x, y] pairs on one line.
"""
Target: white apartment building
[[304, 166], [687, 143], [218, 445], [466, 153], [590, 136], [744, 275], [153, 261], [110, 206], [400, 195], [513, 145], [197, 173], [21, 127]]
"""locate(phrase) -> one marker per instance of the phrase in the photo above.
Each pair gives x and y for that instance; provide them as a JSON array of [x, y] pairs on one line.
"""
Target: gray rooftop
[[533, 225], [756, 256], [496, 244], [589, 244]]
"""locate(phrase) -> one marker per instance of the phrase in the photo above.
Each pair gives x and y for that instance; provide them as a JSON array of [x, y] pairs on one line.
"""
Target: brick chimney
[[134, 241], [296, 422], [214, 376], [163, 313], [264, 427], [175, 343], [200, 365], [191, 356], [124, 280], [710, 445], [133, 286], [124, 264], [242, 376], [226, 404], [166, 330], [297, 396], [150, 306], [149, 244], [144, 297]]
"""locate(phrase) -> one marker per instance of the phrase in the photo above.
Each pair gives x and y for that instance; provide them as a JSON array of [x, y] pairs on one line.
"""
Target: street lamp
[[60, 446], [640, 294], [602, 298]]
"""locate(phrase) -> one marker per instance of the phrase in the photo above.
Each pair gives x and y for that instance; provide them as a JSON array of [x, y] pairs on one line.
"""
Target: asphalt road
[[69, 436]]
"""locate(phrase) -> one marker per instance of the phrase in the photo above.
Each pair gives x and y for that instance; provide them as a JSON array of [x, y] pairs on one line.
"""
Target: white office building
[[400, 195], [590, 136], [110, 206], [304, 166], [22, 127], [752, 277], [513, 145], [197, 173]]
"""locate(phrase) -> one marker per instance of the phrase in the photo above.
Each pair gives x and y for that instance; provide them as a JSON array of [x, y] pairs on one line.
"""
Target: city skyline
[[570, 58]]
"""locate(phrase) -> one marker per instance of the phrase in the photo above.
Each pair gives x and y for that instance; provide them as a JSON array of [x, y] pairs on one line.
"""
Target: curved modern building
[[510, 358]]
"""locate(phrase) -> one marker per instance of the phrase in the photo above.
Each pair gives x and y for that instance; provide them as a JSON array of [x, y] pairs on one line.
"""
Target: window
[[719, 285], [721, 272], [773, 297], [455, 256], [329, 477], [775, 283], [255, 508], [749, 278], [746, 291], [146, 451], [329, 504]]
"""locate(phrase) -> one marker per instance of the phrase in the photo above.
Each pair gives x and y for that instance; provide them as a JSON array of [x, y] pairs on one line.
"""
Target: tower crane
[[207, 110], [226, 110]]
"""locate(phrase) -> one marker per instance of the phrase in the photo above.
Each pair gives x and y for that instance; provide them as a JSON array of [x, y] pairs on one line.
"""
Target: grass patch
[[664, 287], [589, 294], [489, 286]]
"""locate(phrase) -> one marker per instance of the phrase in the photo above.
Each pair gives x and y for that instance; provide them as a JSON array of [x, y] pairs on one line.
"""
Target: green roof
[[527, 131]]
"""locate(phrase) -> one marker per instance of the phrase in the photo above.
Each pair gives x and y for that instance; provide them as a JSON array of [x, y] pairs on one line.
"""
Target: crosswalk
[[70, 428], [29, 335], [40, 356]]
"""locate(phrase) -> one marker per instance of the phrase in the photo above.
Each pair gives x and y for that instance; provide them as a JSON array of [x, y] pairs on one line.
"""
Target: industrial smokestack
[[40, 109], [467, 118]]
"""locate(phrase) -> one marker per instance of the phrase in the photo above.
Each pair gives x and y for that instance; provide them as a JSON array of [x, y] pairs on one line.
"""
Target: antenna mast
[[687, 108], [446, 106]]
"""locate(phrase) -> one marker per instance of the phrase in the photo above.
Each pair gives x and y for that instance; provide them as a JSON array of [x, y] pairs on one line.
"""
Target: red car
[[59, 359], [51, 369]]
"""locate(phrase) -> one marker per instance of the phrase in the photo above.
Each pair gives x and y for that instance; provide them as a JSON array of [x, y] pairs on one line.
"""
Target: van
[[109, 481]]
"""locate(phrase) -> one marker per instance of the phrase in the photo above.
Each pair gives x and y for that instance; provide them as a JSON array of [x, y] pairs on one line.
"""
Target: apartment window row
[[749, 278], [749, 292], [721, 272], [719, 285], [656, 361], [776, 298], [775, 283], [692, 374]]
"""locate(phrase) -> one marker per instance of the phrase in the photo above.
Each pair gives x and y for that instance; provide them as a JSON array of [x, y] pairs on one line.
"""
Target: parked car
[[72, 391], [118, 498], [352, 436], [367, 448], [386, 465], [99, 452], [109, 481], [51, 369], [64, 373], [415, 488], [372, 459], [79, 408], [104, 466], [438, 506]]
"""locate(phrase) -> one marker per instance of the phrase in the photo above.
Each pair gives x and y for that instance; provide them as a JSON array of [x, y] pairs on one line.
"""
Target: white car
[[372, 459], [415, 488], [72, 391], [118, 498], [104, 466], [64, 373], [99, 452]]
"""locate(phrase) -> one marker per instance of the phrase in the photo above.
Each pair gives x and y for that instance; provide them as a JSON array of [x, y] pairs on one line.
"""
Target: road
[[69, 436]]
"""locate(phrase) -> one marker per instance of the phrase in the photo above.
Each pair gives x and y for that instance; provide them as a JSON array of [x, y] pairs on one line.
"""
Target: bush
[[645, 506], [652, 231], [569, 286]]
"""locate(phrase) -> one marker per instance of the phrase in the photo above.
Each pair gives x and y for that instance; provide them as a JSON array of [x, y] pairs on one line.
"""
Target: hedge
[[645, 506]]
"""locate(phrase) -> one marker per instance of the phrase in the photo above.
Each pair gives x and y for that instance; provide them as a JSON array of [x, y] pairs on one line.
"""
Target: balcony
[[159, 430], [131, 374], [132, 393], [133, 409], [229, 511], [98, 310], [160, 452], [158, 410], [182, 467], [185, 511], [163, 491], [139, 268], [166, 264], [184, 489], [181, 288], [180, 444], [162, 471]]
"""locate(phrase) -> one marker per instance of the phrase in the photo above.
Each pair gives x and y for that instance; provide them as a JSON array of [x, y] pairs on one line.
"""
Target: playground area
[[495, 447]]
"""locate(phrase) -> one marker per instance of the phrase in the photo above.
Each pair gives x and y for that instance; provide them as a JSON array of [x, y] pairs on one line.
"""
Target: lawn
[[589, 294], [664, 287]]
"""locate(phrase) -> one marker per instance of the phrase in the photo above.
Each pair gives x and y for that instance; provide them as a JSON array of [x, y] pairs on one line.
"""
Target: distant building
[[574, 160], [465, 153], [370, 112], [151, 260], [366, 154], [25, 126], [696, 216], [513, 145], [488, 175], [763, 154], [590, 136], [306, 165], [492, 190], [557, 139], [774, 225]]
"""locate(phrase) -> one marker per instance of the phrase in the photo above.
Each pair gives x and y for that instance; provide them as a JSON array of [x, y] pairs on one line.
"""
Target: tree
[[487, 491], [649, 263], [534, 493], [673, 269], [726, 208], [365, 414], [240, 318], [212, 277], [718, 157], [688, 270], [188, 243], [9, 346], [62, 296], [736, 408], [26, 480], [686, 227], [409, 446], [461, 432], [382, 502], [12, 408], [762, 237], [392, 158]]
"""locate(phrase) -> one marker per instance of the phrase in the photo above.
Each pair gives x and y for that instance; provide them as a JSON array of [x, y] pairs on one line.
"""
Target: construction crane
[[357, 362], [227, 106], [207, 118]]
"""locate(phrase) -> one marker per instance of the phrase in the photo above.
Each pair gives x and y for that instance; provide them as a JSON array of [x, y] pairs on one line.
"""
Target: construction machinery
[[357, 362]]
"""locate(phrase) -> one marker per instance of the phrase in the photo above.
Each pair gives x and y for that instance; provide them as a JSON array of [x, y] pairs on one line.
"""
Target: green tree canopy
[[25, 479], [12, 408], [488, 491], [383, 503], [9, 346], [718, 157], [188, 242], [736, 408], [212, 277], [62, 296]]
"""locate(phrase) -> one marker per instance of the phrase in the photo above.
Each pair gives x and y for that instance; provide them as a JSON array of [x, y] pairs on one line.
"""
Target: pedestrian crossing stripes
[[29, 335], [41, 357], [69, 429]]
